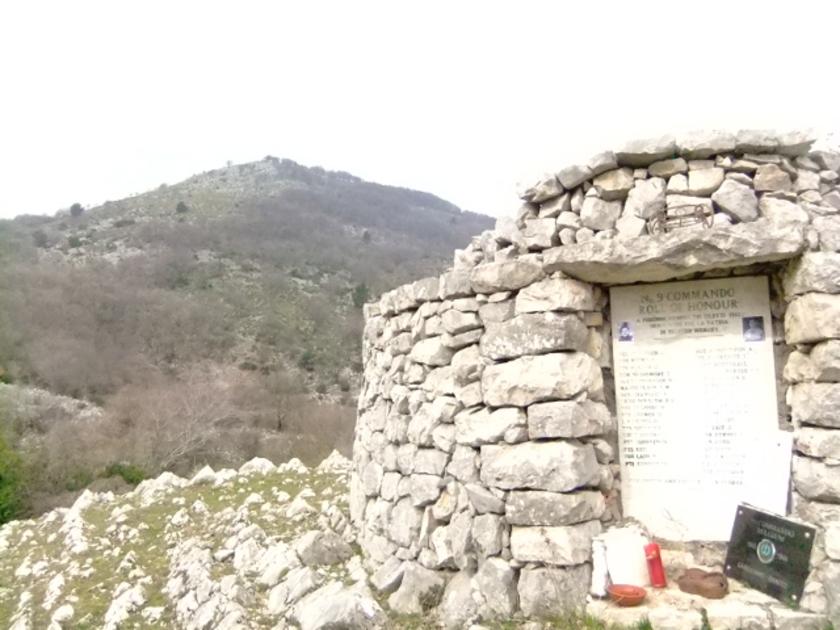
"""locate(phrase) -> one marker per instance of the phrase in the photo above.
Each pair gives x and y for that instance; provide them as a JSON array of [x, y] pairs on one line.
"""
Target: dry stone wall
[[485, 442]]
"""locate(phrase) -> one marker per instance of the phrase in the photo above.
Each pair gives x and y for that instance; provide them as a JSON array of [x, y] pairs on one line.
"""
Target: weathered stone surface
[[705, 181], [540, 233], [676, 254], [629, 225], [816, 403], [452, 544], [456, 322], [729, 614], [455, 284], [599, 214], [318, 548], [496, 582], [555, 294], [431, 351], [547, 188], [555, 466], [575, 175], [816, 480], [338, 606], [533, 333], [814, 271], [769, 177], [677, 184], [567, 545], [704, 144], [424, 489], [387, 578], [737, 200], [420, 591], [828, 229], [536, 507], [667, 168], [555, 207], [613, 185], [756, 141], [479, 425], [430, 461], [487, 530], [464, 464], [546, 592], [504, 276], [645, 152], [821, 365], [604, 161], [813, 317], [405, 523], [795, 143], [483, 500], [568, 419], [679, 205], [458, 608], [781, 210], [646, 198], [527, 380], [818, 442]]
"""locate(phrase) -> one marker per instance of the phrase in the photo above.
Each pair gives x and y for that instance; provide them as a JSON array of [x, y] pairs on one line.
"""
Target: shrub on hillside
[[181, 208], [76, 210], [11, 482]]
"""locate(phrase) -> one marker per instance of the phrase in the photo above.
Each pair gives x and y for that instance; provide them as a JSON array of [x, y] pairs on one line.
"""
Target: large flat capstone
[[679, 253]]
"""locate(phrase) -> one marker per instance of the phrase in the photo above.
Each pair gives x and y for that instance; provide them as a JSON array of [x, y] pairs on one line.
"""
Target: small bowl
[[626, 594]]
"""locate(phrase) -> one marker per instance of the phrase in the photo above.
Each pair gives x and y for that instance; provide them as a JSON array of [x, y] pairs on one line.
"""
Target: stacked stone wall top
[[485, 438]]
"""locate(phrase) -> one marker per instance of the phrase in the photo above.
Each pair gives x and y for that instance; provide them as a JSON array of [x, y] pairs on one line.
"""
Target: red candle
[[655, 568]]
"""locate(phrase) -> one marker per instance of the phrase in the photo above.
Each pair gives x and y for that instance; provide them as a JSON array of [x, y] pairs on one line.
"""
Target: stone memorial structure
[[655, 336]]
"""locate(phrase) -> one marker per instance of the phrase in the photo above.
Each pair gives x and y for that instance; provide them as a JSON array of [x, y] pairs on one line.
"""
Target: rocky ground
[[262, 547]]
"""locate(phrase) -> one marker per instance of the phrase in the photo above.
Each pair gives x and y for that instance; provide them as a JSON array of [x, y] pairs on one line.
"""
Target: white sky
[[463, 99]]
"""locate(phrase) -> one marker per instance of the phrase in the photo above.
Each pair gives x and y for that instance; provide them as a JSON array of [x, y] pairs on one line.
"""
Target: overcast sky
[[463, 99]]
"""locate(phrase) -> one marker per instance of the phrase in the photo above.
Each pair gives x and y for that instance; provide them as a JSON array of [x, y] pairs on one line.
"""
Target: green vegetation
[[129, 472], [76, 210], [11, 482]]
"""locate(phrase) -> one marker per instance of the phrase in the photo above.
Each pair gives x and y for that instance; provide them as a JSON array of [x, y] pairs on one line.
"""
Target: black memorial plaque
[[770, 553]]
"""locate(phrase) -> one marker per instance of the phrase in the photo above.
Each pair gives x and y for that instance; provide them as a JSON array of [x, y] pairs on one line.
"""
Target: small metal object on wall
[[678, 217]]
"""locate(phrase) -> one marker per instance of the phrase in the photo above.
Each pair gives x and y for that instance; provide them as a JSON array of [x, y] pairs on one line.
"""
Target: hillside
[[262, 547], [213, 320]]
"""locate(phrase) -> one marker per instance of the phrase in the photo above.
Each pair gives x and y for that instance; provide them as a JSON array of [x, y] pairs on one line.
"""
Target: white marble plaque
[[696, 398]]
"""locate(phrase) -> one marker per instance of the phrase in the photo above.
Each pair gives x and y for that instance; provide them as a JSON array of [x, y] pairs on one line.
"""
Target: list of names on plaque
[[696, 398]]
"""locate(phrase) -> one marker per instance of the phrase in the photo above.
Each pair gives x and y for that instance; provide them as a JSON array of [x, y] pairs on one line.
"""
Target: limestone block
[[646, 198], [534, 507], [813, 271], [504, 276], [540, 233], [728, 614], [555, 466], [705, 144], [818, 442], [484, 501], [644, 152], [555, 294], [756, 141], [527, 380], [430, 461], [455, 284], [599, 214], [456, 322], [705, 181], [478, 425], [812, 318], [555, 206], [828, 229], [679, 253], [816, 480], [781, 210], [566, 545], [487, 530], [458, 608], [533, 333], [549, 591], [604, 161], [464, 464], [613, 185], [495, 312], [568, 419], [547, 188], [770, 177], [405, 523], [420, 590], [736, 200], [496, 582], [667, 168], [816, 404], [431, 351], [573, 176]]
